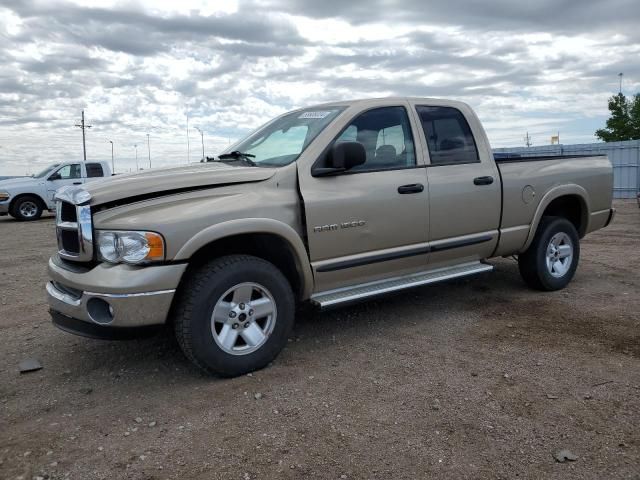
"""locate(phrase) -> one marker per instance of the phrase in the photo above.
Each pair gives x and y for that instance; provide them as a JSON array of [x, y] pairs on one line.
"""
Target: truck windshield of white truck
[[46, 171]]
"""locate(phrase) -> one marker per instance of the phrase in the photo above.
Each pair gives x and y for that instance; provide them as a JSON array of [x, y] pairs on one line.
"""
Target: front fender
[[550, 196], [248, 226]]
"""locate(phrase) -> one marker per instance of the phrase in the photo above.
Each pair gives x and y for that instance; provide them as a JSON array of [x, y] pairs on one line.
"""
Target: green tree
[[624, 122], [634, 114]]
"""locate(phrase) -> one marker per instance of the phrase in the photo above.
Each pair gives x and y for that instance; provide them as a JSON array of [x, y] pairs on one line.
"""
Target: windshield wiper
[[236, 155]]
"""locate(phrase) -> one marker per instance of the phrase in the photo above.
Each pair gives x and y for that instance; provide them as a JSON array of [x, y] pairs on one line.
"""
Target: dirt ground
[[477, 378]]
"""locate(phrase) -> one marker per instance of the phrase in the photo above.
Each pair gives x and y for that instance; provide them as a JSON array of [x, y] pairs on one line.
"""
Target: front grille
[[70, 241], [68, 212], [74, 231]]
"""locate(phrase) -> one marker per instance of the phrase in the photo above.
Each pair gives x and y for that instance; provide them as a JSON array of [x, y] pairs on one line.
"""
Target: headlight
[[4, 196], [130, 247]]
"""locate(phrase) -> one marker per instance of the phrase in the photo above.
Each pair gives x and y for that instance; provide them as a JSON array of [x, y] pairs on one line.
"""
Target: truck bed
[[527, 180]]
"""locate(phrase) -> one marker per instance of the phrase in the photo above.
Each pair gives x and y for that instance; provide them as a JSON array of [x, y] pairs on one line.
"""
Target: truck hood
[[11, 183], [164, 181]]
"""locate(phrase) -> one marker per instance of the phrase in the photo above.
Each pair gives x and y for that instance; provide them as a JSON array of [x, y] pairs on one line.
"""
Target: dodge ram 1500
[[330, 204]]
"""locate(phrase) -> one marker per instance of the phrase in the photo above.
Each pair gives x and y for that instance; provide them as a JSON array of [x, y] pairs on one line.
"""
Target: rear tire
[[27, 208], [552, 258], [234, 315]]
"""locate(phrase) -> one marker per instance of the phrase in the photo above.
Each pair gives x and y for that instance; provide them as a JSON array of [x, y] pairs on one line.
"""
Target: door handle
[[412, 188], [483, 180], [77, 183]]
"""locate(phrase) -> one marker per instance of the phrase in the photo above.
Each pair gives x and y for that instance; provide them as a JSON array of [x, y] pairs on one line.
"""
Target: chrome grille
[[74, 231]]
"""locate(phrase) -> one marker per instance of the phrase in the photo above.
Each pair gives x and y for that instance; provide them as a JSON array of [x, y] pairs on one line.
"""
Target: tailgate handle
[[483, 180], [412, 188], [77, 183]]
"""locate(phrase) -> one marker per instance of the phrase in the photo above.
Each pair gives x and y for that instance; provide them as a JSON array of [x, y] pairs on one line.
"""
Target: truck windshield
[[44, 172], [282, 140]]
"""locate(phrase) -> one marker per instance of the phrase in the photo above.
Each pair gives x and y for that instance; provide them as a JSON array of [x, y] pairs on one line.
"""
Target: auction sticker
[[314, 114]]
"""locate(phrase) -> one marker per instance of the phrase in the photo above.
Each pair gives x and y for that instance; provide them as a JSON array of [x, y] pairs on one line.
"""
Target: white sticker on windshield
[[314, 114]]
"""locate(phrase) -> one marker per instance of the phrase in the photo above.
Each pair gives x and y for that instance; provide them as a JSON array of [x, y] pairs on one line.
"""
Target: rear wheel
[[26, 208], [552, 258], [234, 315]]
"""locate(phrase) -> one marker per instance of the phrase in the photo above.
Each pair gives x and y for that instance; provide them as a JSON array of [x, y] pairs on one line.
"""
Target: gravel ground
[[477, 378]]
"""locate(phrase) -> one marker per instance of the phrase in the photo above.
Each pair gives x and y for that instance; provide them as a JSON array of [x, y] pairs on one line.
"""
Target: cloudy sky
[[138, 67]]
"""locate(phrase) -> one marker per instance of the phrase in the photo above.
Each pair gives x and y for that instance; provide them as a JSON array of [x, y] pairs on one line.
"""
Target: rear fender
[[550, 196]]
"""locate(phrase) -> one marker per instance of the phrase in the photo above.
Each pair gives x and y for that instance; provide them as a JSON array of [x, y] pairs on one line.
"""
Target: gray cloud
[[563, 16], [135, 32], [135, 71]]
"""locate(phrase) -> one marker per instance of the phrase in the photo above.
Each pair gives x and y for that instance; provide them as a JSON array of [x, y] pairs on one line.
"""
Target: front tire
[[27, 209], [552, 258], [234, 315]]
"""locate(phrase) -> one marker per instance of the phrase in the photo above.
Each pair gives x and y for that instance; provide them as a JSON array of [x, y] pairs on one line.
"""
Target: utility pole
[[202, 138], [136, 147], [620, 75], [188, 146], [113, 165], [84, 143], [527, 140], [149, 150]]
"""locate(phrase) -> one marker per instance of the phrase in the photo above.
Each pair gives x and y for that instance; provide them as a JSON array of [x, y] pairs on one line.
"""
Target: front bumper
[[101, 332], [4, 207], [112, 296]]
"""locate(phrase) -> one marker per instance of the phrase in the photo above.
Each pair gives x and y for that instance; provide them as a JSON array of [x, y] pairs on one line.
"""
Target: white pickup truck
[[25, 198]]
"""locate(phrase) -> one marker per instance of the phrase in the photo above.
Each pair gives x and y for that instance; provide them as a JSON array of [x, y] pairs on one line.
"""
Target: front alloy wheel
[[234, 315], [243, 318], [26, 208]]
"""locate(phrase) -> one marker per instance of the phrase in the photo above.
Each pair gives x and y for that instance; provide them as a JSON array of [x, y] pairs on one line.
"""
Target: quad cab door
[[464, 184], [69, 174], [370, 222]]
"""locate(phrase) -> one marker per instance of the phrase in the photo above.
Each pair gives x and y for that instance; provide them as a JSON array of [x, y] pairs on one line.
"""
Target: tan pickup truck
[[330, 204]]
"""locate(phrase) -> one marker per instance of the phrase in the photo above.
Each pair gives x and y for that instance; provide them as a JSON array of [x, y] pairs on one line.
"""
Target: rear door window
[[449, 137], [94, 170]]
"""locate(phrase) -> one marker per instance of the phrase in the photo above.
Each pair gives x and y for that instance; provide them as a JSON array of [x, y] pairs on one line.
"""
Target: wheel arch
[[268, 239], [567, 201], [13, 201]]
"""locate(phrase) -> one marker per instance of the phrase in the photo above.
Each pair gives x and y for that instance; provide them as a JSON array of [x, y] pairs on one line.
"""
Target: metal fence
[[624, 156]]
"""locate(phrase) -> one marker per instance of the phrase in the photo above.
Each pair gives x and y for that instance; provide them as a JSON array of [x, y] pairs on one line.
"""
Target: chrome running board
[[364, 290]]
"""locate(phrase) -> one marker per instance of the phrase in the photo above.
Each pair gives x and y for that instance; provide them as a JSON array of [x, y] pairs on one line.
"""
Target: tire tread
[[184, 306], [529, 261]]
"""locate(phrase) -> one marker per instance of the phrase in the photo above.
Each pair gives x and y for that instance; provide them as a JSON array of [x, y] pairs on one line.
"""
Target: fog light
[[100, 311]]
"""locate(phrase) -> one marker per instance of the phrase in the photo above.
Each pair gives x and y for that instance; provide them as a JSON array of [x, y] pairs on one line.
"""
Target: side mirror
[[346, 155], [55, 176], [343, 156]]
